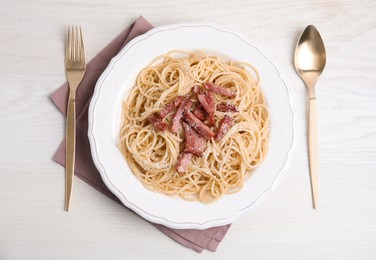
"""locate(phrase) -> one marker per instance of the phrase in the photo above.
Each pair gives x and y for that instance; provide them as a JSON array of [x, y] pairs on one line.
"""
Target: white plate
[[119, 78]]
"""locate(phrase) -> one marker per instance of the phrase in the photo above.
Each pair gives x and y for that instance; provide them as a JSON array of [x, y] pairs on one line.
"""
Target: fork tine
[[78, 41], [68, 46], [77, 46], [75, 43], [82, 46], [72, 44]]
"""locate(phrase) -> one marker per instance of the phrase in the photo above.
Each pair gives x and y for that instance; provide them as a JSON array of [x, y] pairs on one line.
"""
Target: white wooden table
[[33, 224]]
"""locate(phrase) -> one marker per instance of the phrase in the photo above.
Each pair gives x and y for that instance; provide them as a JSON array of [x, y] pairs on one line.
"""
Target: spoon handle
[[313, 148]]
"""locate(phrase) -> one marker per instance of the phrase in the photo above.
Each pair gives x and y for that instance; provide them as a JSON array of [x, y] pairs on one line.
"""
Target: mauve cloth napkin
[[197, 240]]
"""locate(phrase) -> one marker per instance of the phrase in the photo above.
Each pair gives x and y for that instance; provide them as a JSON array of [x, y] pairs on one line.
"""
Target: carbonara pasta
[[171, 152]]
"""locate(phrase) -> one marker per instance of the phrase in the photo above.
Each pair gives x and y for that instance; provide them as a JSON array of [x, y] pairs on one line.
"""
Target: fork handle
[[313, 148], [70, 150]]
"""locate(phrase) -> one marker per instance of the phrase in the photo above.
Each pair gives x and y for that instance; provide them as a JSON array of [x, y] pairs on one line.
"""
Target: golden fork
[[75, 67]]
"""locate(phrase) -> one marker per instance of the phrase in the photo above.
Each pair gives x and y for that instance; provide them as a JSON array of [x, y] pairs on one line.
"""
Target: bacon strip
[[211, 109], [226, 107], [171, 106], [220, 90], [198, 125], [206, 100], [204, 103], [199, 113], [225, 124], [183, 160], [194, 143], [196, 89], [186, 104], [157, 122]]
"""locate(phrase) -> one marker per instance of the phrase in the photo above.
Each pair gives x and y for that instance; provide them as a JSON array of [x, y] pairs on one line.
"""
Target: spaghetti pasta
[[226, 163]]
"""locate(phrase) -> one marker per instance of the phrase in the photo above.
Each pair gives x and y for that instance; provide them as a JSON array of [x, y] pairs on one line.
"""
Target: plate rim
[[159, 219]]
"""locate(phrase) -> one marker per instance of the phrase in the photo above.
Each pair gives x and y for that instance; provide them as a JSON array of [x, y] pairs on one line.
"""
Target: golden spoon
[[310, 59]]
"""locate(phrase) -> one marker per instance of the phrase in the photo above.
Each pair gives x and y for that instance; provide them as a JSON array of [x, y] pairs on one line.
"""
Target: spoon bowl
[[310, 56]]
